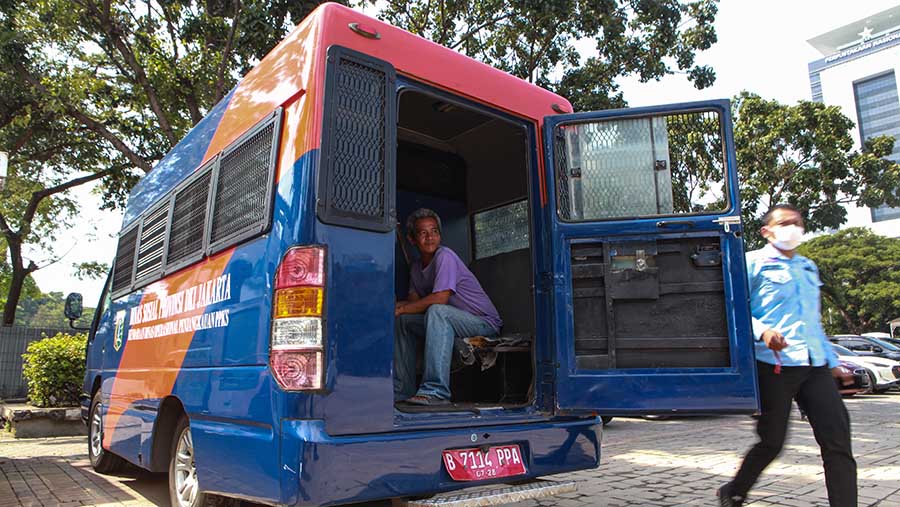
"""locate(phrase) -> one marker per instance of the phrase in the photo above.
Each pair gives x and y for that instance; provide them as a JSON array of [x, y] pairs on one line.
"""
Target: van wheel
[[184, 490], [103, 461], [606, 419]]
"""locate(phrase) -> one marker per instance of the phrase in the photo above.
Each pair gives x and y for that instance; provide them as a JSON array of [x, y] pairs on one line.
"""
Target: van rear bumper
[[319, 469]]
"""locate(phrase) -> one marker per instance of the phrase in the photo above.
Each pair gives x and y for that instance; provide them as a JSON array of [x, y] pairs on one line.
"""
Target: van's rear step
[[496, 495]]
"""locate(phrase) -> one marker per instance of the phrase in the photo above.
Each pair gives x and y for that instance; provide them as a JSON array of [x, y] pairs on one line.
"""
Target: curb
[[28, 421]]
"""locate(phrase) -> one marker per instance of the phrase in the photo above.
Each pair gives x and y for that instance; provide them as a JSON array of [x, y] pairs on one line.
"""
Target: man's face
[[781, 217], [427, 236]]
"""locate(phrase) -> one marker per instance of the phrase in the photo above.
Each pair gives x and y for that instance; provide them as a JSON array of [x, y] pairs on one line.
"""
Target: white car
[[876, 334], [884, 374]]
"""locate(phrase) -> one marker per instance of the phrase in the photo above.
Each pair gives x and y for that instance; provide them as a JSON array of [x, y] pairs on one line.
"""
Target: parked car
[[893, 341], [859, 383], [884, 374], [885, 337], [867, 346]]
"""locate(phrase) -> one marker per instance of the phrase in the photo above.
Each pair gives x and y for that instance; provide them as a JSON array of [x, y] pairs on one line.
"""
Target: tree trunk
[[852, 324], [15, 292], [19, 274]]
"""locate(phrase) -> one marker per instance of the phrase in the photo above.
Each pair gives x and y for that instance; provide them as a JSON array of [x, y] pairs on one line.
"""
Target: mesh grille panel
[[189, 220], [562, 177], [153, 238], [124, 260], [359, 140], [241, 191]]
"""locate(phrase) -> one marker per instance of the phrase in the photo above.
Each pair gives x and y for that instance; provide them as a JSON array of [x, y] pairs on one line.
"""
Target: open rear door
[[650, 290]]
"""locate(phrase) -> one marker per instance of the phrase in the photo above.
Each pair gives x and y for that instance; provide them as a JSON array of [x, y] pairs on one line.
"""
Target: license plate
[[476, 465]]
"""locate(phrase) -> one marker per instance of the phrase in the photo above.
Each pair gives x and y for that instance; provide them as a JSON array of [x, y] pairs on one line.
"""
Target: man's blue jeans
[[439, 326]]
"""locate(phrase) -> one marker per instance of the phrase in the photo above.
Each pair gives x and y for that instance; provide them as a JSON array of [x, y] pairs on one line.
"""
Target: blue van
[[244, 340]]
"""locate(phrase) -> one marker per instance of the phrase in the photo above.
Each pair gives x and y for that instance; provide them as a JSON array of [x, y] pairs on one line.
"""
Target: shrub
[[54, 368]]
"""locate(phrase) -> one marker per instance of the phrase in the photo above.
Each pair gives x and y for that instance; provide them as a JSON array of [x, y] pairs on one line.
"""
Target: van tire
[[103, 461], [182, 470]]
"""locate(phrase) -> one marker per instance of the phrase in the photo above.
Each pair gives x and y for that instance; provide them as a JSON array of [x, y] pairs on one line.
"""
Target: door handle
[[676, 223]]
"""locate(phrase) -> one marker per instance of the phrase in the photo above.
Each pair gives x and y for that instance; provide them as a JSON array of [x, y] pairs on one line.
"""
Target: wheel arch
[[95, 385], [170, 411]]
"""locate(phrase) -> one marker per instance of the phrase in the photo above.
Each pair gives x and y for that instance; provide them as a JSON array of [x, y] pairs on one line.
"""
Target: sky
[[761, 48]]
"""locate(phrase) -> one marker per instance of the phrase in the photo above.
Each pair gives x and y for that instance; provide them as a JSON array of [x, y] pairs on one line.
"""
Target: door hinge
[[728, 221]]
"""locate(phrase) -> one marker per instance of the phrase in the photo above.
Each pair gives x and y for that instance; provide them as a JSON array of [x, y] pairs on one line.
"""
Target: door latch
[[728, 221]]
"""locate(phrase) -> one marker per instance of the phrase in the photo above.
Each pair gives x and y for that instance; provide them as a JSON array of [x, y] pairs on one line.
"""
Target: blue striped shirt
[[784, 295]]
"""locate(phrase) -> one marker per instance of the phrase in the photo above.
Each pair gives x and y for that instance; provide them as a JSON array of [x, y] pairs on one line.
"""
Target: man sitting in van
[[445, 301]]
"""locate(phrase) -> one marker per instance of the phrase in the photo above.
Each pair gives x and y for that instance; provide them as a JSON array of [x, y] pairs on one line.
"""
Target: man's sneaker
[[428, 401], [727, 498]]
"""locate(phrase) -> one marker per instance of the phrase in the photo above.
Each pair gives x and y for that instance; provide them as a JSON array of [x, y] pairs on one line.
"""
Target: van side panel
[[219, 374]]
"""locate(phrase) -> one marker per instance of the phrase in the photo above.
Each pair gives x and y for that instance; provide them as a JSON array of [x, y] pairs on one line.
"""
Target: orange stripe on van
[[149, 366]]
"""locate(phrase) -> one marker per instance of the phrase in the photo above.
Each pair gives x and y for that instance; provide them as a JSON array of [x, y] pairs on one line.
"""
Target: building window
[[815, 85], [878, 110]]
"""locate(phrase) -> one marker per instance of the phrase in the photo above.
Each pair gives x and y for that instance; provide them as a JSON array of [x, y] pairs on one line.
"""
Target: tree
[[802, 155], [99, 90], [535, 39], [861, 282], [29, 288]]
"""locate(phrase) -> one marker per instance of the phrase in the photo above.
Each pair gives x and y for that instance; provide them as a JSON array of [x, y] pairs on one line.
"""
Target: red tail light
[[301, 267], [297, 352], [297, 369]]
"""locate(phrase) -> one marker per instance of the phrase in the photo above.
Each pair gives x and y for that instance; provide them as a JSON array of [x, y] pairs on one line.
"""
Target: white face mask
[[786, 237]]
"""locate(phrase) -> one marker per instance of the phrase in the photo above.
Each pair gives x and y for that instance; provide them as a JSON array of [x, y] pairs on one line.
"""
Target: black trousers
[[815, 390]]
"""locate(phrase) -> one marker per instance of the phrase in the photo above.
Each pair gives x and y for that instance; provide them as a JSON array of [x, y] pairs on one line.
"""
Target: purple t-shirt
[[446, 271]]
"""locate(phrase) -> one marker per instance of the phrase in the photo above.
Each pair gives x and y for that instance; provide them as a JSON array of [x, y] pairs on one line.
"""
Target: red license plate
[[476, 465]]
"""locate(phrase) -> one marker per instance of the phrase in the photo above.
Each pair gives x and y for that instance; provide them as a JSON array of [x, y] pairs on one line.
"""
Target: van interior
[[471, 167]]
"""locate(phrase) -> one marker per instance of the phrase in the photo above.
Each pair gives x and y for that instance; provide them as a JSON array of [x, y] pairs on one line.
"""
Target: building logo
[[120, 330], [867, 44], [866, 34]]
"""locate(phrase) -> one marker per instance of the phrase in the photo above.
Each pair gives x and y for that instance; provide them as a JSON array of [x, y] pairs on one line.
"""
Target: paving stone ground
[[645, 463]]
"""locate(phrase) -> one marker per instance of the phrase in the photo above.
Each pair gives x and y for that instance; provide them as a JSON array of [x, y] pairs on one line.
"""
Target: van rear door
[[649, 286]]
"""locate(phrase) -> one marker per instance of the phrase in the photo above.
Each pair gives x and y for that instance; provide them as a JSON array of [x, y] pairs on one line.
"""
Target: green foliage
[[54, 368], [91, 270], [698, 171], [46, 310], [802, 155], [861, 282], [535, 40]]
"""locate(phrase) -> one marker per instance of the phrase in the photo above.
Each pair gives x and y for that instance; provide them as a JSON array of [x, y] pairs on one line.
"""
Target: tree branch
[[114, 32], [40, 195], [479, 28], [226, 54], [88, 122], [5, 228], [443, 24]]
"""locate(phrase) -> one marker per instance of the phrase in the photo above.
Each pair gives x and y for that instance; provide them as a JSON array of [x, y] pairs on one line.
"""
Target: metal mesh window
[[501, 230], [189, 220], [124, 260], [359, 150], [630, 167], [358, 142], [153, 239], [243, 184]]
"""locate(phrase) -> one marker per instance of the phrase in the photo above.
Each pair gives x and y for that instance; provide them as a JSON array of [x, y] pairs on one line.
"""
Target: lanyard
[[777, 362]]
